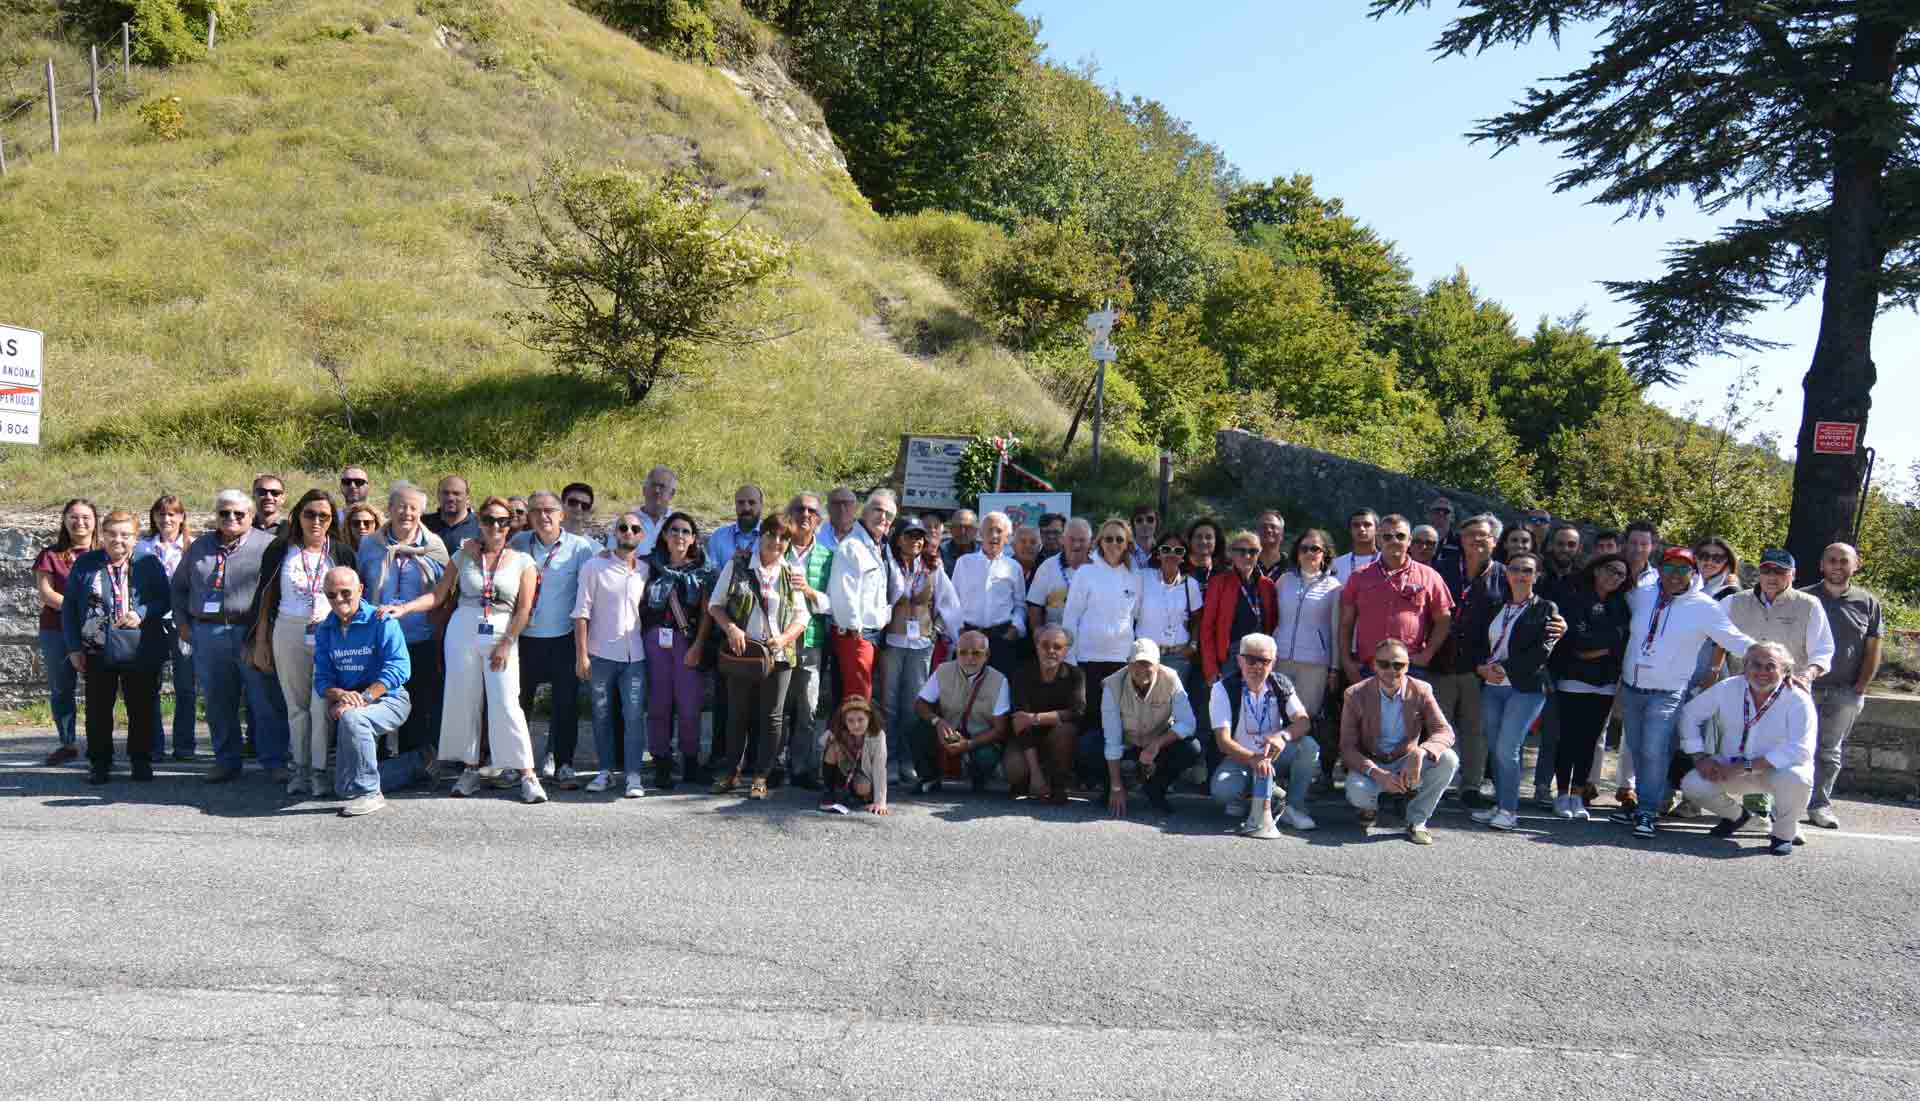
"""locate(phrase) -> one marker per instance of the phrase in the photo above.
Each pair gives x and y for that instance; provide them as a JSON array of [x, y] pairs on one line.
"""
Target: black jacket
[[1527, 646], [266, 597], [1593, 624]]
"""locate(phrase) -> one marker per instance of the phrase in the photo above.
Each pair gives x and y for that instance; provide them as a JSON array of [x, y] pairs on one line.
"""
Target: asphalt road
[[174, 940]]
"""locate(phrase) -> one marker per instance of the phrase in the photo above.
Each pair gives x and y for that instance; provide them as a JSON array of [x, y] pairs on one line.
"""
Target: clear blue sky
[[1366, 109]]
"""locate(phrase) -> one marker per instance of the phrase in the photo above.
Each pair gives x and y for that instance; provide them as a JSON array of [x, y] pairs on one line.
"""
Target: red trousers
[[854, 655]]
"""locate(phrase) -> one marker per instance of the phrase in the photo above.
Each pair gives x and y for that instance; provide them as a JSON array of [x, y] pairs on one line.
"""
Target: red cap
[[1679, 554]]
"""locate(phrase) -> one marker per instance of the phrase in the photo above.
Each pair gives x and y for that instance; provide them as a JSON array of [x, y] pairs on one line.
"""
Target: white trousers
[[469, 680], [1790, 796], [308, 731]]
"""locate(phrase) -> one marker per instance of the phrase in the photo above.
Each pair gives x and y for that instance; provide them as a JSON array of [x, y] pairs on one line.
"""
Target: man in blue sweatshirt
[[360, 672]]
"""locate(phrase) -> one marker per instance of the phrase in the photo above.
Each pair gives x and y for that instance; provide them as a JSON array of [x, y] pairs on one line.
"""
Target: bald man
[[360, 672]]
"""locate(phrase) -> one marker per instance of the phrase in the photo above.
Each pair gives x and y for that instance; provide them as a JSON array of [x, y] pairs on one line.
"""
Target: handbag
[[122, 649], [755, 661]]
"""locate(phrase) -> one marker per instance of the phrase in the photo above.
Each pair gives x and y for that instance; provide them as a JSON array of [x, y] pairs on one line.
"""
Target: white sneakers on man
[[1298, 819], [634, 788], [1824, 818], [600, 782], [1495, 818]]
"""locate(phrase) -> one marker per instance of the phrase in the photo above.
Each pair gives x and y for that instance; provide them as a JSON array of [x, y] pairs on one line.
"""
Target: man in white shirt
[[1751, 734], [861, 590], [1671, 621], [1362, 527], [1047, 596], [1261, 730], [993, 592], [609, 654], [961, 711]]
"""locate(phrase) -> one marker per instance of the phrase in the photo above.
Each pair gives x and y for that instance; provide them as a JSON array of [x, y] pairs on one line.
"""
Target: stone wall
[[22, 680], [1883, 753], [1326, 487]]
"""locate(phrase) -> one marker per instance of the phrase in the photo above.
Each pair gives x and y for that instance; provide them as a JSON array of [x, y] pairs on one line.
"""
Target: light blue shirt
[[559, 568], [728, 542], [1393, 720]]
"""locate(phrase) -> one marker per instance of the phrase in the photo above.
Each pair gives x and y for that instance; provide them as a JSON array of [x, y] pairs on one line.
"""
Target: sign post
[[1835, 437], [928, 471], [22, 384], [1100, 325]]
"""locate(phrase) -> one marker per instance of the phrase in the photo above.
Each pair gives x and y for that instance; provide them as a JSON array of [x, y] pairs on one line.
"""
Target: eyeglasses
[[1312, 548], [971, 652], [1251, 659], [1117, 540], [233, 514], [578, 505], [1710, 556], [1390, 666], [496, 521], [310, 515], [1522, 571], [630, 529], [1616, 570], [1393, 537], [340, 594], [544, 510], [263, 492], [1426, 542], [353, 481], [1243, 552]]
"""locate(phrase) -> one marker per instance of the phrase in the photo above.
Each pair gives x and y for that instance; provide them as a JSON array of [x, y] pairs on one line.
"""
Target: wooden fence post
[[53, 106], [93, 62], [3, 158], [126, 55], [213, 20]]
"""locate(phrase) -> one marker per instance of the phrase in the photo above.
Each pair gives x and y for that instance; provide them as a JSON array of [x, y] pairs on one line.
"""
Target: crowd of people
[[377, 645]]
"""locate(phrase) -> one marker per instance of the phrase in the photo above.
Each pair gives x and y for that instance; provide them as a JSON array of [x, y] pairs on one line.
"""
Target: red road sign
[[1835, 437]]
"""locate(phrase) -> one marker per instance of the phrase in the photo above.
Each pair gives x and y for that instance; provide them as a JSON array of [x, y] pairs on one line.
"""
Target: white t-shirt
[[1003, 703], [1257, 723], [1348, 564], [1051, 583], [302, 576], [1165, 609]]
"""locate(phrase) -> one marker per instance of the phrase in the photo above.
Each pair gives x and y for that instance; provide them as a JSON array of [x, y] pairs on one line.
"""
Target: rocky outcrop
[[1328, 487]]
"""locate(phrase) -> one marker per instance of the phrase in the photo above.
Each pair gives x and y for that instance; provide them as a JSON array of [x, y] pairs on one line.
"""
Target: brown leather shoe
[[1627, 799], [62, 755], [759, 788]]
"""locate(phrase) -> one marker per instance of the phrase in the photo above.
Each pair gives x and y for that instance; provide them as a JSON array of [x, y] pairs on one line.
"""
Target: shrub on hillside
[[165, 117], [683, 28], [951, 245], [1040, 288], [165, 32]]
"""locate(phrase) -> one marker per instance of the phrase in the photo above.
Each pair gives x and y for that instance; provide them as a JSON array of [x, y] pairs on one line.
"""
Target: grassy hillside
[[324, 210]]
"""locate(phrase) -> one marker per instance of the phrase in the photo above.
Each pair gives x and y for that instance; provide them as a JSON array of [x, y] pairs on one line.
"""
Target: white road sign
[[22, 381]]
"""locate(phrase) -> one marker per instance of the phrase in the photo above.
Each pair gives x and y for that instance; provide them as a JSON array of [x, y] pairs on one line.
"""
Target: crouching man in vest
[[360, 671], [1261, 729], [1145, 716], [1768, 727], [961, 715], [1395, 740]]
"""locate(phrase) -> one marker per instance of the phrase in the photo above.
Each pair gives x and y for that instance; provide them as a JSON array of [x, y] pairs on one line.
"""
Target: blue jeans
[[184, 698], [356, 767], [1233, 781], [1549, 743], [225, 678], [1435, 777], [1652, 720], [903, 672], [1505, 715], [630, 679], [63, 685]]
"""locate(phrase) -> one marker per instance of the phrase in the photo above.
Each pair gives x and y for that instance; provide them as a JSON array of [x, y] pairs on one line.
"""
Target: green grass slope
[[323, 212]]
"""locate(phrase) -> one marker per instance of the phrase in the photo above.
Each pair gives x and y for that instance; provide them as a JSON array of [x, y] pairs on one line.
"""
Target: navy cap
[[1777, 556]]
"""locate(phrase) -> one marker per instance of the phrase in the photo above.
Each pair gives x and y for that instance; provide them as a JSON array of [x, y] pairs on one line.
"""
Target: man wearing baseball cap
[[1145, 715], [1671, 621]]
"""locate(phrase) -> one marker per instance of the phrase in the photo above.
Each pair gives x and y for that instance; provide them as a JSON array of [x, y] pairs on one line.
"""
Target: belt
[[224, 619]]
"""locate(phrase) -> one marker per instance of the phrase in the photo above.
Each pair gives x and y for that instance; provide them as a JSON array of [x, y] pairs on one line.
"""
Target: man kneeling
[[1261, 729], [360, 672], [1145, 715], [961, 713], [1768, 728], [1394, 740]]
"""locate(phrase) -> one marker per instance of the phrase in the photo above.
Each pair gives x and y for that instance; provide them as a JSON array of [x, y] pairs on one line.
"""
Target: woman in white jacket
[[1102, 606]]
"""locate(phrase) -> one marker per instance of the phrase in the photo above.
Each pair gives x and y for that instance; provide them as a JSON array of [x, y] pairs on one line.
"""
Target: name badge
[[913, 630], [211, 607], [485, 627], [307, 639], [666, 638]]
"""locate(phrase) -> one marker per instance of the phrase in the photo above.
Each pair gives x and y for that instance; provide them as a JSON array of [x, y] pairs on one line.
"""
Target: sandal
[[759, 788], [726, 783]]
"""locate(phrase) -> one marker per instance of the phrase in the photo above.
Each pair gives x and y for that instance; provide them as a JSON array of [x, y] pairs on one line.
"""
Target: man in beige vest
[[961, 711], [1145, 716]]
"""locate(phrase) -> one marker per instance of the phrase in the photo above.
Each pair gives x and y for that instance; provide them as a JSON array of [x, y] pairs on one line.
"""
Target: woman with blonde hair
[[360, 521], [1103, 604], [855, 758]]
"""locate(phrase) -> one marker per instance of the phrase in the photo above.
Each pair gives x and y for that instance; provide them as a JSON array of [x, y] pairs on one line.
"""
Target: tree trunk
[[1839, 384]]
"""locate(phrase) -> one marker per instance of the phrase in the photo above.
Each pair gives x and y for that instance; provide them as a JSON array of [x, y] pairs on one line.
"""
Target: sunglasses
[[1675, 567], [232, 514], [309, 514], [496, 521], [269, 493], [340, 594], [1522, 571], [1393, 537], [1252, 660], [353, 481], [1169, 548], [1710, 556], [1115, 539], [630, 529], [1390, 666], [1311, 549], [1441, 511], [578, 505], [806, 510], [971, 653], [367, 522], [1426, 542], [1243, 552]]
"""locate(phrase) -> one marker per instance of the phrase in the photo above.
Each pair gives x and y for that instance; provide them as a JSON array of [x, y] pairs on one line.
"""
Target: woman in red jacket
[[1240, 602]]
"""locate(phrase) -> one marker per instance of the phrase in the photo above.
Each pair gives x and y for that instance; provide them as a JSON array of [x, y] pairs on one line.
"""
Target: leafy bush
[[1474, 452], [682, 28], [165, 117], [951, 245], [1050, 276]]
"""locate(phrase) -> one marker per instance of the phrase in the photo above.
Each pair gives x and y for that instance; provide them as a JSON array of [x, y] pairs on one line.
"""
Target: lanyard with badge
[[1655, 626], [119, 599], [488, 588], [915, 586], [1750, 717], [1509, 619], [1252, 596], [313, 575], [218, 588], [1255, 725]]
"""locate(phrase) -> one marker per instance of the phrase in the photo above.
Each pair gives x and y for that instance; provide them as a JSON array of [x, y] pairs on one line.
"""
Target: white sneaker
[[364, 804], [601, 781], [565, 778], [1237, 808], [1824, 818], [634, 788], [322, 783], [546, 767], [1504, 820], [1298, 819], [1486, 815], [299, 785], [531, 791], [468, 783], [1577, 808], [1563, 806]]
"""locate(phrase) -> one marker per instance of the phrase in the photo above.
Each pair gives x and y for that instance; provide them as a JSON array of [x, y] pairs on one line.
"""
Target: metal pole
[[1099, 410], [1866, 487], [93, 62], [53, 107], [126, 55], [3, 158]]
